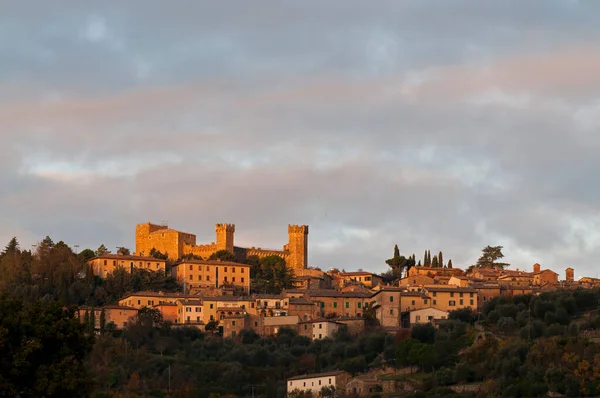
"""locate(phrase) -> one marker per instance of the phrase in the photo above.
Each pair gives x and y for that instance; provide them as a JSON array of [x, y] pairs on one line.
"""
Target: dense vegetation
[[517, 346]]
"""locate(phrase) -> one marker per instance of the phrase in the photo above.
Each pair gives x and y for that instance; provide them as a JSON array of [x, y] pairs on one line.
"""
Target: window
[[391, 299], [225, 269], [319, 382], [255, 324], [470, 294], [198, 309], [330, 381], [452, 303], [211, 306], [367, 278], [242, 280], [451, 294], [188, 309], [197, 319], [322, 304], [471, 301], [358, 314], [105, 262], [191, 277], [347, 304], [320, 335], [191, 267], [232, 323], [425, 301], [320, 326], [434, 294], [359, 304], [225, 279], [199, 268], [242, 271], [139, 302], [418, 317], [233, 279], [199, 277], [434, 302], [233, 269], [461, 294], [429, 318], [207, 268], [208, 277], [335, 304], [461, 301], [305, 327], [413, 302], [392, 312]]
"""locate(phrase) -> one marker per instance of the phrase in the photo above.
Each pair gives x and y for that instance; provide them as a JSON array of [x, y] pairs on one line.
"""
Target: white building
[[320, 328], [425, 315], [316, 381]]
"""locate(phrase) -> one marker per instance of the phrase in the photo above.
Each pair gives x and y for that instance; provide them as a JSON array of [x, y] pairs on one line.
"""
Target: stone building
[[198, 274], [106, 264], [176, 244], [316, 381]]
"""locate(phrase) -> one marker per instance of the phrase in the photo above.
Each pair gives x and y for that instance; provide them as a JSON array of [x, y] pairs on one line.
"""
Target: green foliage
[[222, 255], [399, 264], [489, 257], [270, 275], [43, 349], [102, 250], [158, 255]]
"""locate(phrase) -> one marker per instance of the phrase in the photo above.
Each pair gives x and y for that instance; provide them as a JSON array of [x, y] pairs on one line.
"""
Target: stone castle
[[177, 244]]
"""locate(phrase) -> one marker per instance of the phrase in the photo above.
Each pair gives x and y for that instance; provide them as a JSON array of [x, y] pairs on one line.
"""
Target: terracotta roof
[[450, 289], [128, 258], [315, 375], [335, 293], [159, 294], [300, 301], [191, 302], [357, 273], [212, 262], [319, 320]]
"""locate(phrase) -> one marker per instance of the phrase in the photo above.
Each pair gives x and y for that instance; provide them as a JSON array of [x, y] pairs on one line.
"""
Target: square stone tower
[[298, 246], [225, 234], [570, 274]]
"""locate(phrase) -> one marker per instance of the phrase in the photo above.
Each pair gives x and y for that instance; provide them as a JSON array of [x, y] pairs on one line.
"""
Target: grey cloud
[[295, 112]]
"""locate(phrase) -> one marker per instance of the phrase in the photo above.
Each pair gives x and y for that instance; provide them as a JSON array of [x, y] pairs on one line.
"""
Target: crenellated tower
[[225, 234], [298, 246]]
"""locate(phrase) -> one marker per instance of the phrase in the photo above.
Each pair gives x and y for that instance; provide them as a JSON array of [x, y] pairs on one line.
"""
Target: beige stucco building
[[196, 274], [316, 381], [106, 264]]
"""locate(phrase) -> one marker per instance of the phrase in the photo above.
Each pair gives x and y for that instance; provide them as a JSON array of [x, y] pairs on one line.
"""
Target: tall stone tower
[[536, 268], [298, 246], [225, 237], [570, 274]]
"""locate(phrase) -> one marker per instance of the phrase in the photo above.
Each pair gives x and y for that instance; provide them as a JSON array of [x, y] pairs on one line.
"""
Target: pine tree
[[440, 259], [12, 247], [450, 263], [102, 250]]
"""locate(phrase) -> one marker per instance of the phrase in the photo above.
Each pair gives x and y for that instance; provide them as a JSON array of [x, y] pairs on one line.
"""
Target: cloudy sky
[[442, 125]]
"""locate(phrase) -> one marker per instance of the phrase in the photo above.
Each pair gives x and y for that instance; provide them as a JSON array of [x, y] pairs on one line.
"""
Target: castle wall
[[176, 244]]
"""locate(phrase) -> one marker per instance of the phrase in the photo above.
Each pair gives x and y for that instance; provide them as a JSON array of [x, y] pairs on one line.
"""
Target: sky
[[440, 125]]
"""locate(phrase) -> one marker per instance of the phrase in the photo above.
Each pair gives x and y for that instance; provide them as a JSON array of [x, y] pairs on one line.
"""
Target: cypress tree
[[440, 259], [450, 263], [429, 258], [425, 258], [434, 263], [93, 319], [86, 321], [102, 320], [396, 251]]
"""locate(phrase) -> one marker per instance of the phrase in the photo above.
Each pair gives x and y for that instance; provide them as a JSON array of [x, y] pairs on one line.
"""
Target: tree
[[86, 254], [425, 263], [43, 350], [450, 263], [157, 254], [123, 251], [397, 263], [440, 259], [435, 263], [102, 320], [12, 247], [222, 255], [102, 250], [489, 255]]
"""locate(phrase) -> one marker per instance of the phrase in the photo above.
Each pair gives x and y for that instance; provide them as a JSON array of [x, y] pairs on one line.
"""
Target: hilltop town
[[230, 291]]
